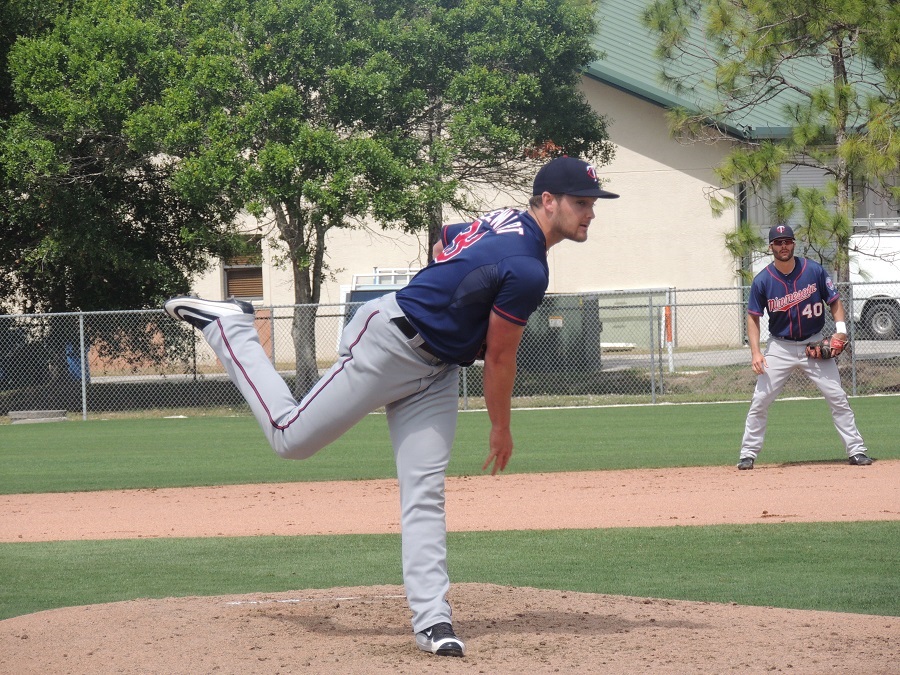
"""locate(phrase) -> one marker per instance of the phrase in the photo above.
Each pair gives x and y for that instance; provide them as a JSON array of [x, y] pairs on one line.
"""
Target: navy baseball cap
[[780, 232], [569, 176]]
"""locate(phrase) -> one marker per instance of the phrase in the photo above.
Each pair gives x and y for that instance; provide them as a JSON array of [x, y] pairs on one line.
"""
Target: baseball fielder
[[403, 352], [794, 291]]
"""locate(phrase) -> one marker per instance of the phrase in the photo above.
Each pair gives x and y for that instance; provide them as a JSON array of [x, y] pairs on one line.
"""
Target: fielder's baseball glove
[[827, 348]]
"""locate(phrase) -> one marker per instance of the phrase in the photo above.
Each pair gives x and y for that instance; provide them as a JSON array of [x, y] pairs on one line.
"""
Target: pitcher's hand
[[501, 450]]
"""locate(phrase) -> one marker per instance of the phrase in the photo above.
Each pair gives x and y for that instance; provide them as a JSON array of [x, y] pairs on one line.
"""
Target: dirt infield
[[507, 630]]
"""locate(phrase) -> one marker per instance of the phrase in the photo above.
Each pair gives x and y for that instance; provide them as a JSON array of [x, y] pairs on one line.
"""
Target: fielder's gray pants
[[377, 367], [782, 358]]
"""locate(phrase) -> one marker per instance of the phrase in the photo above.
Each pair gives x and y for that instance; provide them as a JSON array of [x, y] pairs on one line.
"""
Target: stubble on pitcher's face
[[573, 217]]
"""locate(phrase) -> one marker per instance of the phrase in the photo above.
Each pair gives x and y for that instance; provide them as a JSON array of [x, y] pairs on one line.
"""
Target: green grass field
[[851, 567]]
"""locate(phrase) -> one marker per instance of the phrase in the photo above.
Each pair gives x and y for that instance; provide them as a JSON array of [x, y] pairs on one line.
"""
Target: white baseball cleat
[[441, 640], [200, 313]]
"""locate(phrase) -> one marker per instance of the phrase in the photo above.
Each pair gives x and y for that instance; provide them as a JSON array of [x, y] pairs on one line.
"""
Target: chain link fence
[[650, 346]]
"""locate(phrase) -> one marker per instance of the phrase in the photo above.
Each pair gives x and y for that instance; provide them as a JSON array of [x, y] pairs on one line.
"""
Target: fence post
[[669, 335], [852, 328], [465, 387], [83, 367], [272, 333], [661, 326], [194, 355], [652, 350]]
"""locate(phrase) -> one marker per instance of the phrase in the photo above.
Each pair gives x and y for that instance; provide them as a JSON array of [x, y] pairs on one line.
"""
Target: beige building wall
[[350, 251], [660, 234]]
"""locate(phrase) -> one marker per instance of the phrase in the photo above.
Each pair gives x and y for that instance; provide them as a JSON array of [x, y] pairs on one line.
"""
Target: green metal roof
[[631, 65]]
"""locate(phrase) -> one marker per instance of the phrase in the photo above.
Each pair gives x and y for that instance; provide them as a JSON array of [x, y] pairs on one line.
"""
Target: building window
[[243, 273]]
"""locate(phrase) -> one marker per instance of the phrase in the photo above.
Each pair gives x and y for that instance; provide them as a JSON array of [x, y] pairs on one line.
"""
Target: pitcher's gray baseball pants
[[782, 357], [377, 367]]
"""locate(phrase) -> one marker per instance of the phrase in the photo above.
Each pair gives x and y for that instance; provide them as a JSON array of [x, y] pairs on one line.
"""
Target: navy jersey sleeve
[[756, 303], [827, 289], [524, 282]]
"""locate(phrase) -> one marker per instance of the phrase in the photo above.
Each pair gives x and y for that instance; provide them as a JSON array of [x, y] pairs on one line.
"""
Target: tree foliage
[[142, 129], [20, 18], [273, 107], [90, 221], [280, 106], [496, 89], [318, 114], [829, 68]]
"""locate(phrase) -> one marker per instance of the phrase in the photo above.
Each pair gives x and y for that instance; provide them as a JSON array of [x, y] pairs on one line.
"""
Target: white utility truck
[[875, 278]]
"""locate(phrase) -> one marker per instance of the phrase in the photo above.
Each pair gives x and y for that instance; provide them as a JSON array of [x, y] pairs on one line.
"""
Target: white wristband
[[840, 327]]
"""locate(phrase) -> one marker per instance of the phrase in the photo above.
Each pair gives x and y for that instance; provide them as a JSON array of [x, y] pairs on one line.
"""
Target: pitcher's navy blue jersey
[[496, 264], [795, 302]]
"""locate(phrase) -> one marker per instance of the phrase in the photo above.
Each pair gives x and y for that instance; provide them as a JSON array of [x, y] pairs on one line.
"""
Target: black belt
[[406, 328]]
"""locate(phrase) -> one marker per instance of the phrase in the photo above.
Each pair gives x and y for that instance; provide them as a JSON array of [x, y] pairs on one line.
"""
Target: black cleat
[[862, 459], [200, 313], [745, 463], [441, 640]]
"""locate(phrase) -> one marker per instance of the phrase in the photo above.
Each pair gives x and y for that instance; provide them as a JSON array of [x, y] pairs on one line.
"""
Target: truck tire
[[882, 320]]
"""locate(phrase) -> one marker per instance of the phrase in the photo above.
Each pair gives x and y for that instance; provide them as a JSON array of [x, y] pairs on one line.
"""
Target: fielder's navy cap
[[569, 176], [780, 232]]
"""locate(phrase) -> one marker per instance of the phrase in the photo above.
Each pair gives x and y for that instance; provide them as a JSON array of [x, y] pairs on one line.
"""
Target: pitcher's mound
[[506, 630]]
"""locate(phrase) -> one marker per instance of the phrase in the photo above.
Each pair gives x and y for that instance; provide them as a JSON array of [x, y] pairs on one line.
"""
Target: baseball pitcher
[[403, 352]]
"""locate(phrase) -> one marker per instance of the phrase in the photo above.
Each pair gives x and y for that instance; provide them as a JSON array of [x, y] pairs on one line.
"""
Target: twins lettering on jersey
[[504, 221], [786, 302]]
